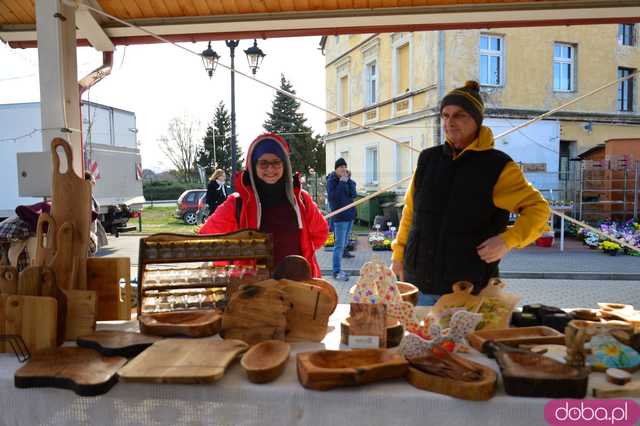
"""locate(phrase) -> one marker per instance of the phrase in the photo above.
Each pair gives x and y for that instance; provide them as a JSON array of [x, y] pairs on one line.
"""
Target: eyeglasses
[[264, 164]]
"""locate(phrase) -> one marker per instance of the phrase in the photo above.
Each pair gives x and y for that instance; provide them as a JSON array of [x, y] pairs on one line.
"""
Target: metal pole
[[232, 44], [624, 197]]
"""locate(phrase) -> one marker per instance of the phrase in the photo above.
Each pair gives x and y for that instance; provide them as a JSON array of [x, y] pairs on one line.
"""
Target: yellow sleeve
[[398, 245], [514, 193]]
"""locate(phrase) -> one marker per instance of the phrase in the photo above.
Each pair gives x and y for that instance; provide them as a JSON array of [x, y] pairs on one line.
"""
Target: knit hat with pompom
[[467, 98]]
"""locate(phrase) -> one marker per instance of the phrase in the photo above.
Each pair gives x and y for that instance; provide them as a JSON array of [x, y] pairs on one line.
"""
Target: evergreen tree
[[221, 159], [307, 151]]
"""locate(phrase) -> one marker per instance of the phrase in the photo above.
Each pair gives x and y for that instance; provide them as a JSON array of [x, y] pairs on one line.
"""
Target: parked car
[[188, 205], [203, 209]]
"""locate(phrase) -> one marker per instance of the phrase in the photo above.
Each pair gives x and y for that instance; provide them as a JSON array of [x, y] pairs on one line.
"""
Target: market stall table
[[234, 400]]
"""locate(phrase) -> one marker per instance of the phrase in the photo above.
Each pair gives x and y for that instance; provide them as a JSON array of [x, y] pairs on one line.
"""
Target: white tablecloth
[[233, 400]]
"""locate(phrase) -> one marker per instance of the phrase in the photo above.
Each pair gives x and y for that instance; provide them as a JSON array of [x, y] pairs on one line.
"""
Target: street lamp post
[[210, 59]]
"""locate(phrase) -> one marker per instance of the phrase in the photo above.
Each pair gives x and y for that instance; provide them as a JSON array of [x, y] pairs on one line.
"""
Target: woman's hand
[[398, 269], [493, 249]]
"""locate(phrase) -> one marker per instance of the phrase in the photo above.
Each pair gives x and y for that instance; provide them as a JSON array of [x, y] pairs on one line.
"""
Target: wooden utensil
[[256, 313], [197, 323], [117, 343], [29, 281], [538, 335], [71, 203], [323, 370], [45, 240], [481, 389], [33, 318], [8, 280], [395, 331], [103, 277], [265, 361], [82, 370], [525, 373], [62, 261], [49, 288], [81, 313], [460, 297], [183, 361]]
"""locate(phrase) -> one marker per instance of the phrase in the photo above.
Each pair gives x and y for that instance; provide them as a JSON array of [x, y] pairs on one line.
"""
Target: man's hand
[[398, 269], [493, 249]]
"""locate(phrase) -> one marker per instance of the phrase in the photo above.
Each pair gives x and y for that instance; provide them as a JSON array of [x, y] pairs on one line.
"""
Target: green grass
[[160, 219]]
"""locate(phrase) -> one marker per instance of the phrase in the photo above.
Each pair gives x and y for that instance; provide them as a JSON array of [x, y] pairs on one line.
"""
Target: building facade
[[393, 82]]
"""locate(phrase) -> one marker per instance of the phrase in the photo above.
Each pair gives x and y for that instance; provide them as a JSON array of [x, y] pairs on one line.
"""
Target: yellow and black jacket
[[457, 201]]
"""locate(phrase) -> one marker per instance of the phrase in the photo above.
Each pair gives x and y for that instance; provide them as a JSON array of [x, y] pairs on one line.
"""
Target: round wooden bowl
[[265, 361], [200, 323], [395, 331], [408, 291]]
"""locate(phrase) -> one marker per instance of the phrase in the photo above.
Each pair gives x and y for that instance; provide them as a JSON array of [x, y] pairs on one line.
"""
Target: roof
[[197, 20], [592, 150]]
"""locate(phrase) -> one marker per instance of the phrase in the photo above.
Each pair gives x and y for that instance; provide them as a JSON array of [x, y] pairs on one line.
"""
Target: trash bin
[[367, 211]]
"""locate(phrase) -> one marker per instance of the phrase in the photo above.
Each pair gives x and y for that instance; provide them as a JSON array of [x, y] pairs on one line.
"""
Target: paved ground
[[578, 292]]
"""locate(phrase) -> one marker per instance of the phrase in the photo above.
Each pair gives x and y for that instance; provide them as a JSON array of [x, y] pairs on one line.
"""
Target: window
[[345, 155], [402, 69], [563, 67], [625, 90], [371, 82], [371, 166], [403, 158], [625, 34], [491, 54]]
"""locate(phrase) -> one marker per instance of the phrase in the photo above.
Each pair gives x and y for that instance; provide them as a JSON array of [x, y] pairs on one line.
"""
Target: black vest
[[453, 212]]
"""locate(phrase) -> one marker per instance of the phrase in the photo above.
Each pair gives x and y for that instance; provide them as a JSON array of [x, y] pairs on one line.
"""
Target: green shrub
[[166, 190]]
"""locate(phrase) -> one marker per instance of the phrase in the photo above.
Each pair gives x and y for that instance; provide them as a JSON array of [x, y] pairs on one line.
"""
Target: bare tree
[[180, 146]]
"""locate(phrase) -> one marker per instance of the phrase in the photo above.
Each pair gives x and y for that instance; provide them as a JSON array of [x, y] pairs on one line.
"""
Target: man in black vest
[[454, 223]]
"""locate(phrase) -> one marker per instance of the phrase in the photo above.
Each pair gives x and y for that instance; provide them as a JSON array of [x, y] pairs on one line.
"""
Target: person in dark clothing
[[217, 191], [454, 222], [341, 191]]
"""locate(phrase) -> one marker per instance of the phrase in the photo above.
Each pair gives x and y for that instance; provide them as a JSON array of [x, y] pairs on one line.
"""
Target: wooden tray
[[197, 323], [539, 335], [117, 343], [323, 370], [266, 361], [526, 373], [183, 361], [395, 332], [480, 390], [82, 370]]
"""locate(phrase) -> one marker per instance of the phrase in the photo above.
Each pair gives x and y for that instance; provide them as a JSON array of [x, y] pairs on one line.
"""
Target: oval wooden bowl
[[480, 390], [323, 370], [408, 291], [200, 323], [266, 361], [395, 332]]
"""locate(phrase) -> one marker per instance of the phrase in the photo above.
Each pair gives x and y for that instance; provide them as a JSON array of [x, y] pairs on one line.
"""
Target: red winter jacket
[[314, 227]]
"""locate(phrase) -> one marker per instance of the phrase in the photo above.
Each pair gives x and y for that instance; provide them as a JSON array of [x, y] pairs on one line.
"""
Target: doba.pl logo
[[593, 412]]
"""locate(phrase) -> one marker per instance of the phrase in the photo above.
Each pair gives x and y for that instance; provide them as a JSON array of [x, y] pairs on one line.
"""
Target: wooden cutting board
[[183, 361], [8, 280], [33, 318], [256, 313], [103, 277], [62, 261], [71, 203], [537, 335], [82, 370], [311, 308], [45, 240], [117, 343], [81, 313]]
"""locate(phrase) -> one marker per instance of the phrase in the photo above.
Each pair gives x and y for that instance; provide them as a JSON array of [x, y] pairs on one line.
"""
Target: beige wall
[[574, 131]]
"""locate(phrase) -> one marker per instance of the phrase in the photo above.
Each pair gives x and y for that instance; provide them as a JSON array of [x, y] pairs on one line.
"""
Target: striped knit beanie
[[467, 98]]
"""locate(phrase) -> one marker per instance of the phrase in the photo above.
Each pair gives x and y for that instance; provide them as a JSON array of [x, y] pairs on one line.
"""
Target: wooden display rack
[[166, 248]]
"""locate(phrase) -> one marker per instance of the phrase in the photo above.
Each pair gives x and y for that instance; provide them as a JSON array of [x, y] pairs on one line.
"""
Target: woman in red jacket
[[273, 202]]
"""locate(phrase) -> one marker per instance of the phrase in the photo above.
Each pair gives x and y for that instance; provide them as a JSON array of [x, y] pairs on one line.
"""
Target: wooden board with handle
[[8, 280], [71, 203], [103, 277], [45, 240], [81, 313], [34, 318], [82, 370], [62, 261], [183, 361]]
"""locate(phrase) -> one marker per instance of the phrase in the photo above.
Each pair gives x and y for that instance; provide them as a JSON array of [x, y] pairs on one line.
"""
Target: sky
[[159, 82]]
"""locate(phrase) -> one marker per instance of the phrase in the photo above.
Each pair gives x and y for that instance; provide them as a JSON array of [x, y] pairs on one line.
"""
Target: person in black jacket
[[341, 190], [216, 190]]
